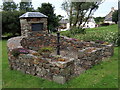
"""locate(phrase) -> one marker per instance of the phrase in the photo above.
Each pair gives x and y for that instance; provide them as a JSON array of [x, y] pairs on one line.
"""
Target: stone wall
[[26, 25], [80, 56], [37, 40], [75, 57], [48, 68]]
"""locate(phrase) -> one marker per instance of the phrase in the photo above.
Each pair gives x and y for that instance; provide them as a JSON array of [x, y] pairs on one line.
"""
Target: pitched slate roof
[[33, 14], [108, 17], [63, 21], [91, 20]]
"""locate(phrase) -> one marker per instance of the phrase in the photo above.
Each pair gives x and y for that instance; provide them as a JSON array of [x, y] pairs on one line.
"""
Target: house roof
[[64, 21], [108, 17], [33, 14], [91, 20]]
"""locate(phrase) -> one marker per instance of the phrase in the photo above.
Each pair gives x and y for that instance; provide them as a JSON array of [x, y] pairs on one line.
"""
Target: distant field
[[104, 75]]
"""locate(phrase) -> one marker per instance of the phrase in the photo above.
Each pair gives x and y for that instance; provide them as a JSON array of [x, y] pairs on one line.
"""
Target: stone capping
[[59, 67], [58, 71], [14, 42]]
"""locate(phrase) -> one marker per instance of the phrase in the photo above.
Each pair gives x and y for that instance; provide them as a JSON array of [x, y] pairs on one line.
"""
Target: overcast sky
[[104, 8]]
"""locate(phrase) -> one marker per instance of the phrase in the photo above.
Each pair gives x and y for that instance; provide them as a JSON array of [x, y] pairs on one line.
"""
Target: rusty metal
[[58, 43]]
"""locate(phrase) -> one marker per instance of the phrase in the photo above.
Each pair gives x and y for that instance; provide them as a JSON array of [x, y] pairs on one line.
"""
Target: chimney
[[112, 9]]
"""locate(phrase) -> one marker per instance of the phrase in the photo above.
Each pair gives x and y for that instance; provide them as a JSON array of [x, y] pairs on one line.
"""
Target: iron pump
[[58, 42]]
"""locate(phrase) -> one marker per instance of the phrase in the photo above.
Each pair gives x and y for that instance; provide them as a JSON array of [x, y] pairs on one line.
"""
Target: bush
[[46, 49], [77, 31], [11, 22], [15, 52], [66, 33], [72, 32], [111, 37], [118, 41], [104, 24], [103, 34]]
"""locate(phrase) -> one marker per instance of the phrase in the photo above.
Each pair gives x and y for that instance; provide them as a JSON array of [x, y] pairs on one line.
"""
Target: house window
[[37, 26]]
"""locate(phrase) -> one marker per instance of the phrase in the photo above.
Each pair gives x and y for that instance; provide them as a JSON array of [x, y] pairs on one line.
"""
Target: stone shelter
[[33, 21], [34, 52]]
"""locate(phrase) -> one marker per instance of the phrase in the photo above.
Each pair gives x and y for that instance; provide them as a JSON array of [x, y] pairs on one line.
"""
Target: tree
[[10, 22], [9, 6], [98, 20], [68, 7], [80, 12], [48, 9], [93, 7], [26, 6], [59, 17], [115, 16]]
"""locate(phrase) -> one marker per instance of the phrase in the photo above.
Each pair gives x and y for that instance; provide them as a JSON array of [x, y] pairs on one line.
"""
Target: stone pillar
[[26, 25]]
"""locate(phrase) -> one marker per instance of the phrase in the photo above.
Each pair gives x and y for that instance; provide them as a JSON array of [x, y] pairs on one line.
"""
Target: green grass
[[104, 75], [113, 28], [106, 33]]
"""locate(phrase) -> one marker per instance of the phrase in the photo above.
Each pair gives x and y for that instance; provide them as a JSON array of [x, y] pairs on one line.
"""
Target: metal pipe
[[58, 43]]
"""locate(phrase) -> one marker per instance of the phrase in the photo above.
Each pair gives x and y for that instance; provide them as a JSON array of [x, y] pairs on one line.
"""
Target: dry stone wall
[[26, 25], [59, 69], [47, 68]]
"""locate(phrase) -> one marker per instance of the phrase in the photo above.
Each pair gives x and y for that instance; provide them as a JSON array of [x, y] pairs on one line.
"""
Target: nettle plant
[[45, 51], [17, 51]]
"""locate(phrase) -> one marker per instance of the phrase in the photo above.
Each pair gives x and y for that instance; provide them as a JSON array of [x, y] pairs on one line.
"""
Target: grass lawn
[[103, 29], [104, 75], [106, 33], [112, 28]]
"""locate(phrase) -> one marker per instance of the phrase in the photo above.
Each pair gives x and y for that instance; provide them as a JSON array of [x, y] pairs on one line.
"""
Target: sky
[[102, 11]]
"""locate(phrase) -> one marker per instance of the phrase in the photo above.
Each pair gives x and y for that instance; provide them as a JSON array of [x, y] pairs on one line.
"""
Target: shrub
[[76, 30], [111, 37], [8, 34], [104, 24], [66, 33], [45, 49], [102, 34], [73, 31], [15, 52], [118, 40], [99, 41], [10, 21]]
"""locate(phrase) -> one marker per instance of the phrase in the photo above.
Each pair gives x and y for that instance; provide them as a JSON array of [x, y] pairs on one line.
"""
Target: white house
[[65, 25], [89, 24], [108, 17]]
